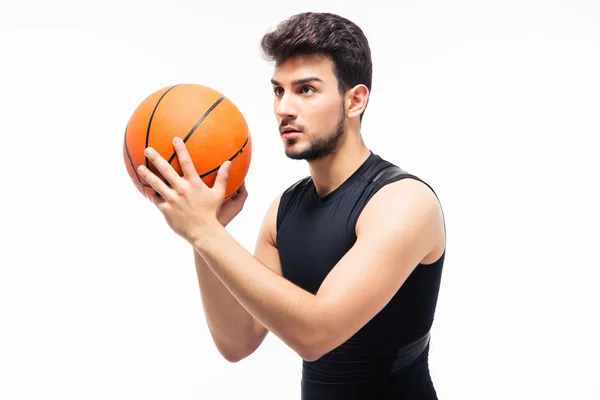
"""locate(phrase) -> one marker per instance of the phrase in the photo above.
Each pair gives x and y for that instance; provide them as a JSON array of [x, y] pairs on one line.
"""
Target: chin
[[294, 154], [294, 149], [307, 154]]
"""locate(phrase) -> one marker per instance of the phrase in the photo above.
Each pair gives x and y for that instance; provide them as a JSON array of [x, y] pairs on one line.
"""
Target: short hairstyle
[[327, 34]]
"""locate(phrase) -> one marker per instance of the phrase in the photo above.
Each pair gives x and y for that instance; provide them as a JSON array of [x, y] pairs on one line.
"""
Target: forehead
[[304, 66]]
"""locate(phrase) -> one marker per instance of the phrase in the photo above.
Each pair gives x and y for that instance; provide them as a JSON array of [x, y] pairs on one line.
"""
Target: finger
[[241, 193], [163, 166], [185, 160], [158, 200], [222, 177], [157, 184], [160, 203]]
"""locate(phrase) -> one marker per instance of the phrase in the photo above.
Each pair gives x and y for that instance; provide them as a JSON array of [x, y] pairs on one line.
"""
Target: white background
[[495, 104]]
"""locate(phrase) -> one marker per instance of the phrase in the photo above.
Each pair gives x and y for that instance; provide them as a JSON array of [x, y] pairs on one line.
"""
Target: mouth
[[288, 132], [291, 134]]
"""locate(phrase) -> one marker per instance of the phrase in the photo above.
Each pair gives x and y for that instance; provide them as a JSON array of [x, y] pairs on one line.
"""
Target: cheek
[[322, 114]]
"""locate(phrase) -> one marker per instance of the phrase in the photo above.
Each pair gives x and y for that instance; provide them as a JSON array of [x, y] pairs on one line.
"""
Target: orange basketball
[[212, 127]]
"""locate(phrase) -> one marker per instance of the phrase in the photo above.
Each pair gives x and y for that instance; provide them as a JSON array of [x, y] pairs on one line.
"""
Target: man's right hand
[[233, 206]]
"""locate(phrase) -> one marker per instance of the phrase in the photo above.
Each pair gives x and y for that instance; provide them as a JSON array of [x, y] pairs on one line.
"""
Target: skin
[[400, 227]]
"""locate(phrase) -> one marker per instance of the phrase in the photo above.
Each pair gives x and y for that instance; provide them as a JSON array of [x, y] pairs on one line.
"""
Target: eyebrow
[[298, 81]]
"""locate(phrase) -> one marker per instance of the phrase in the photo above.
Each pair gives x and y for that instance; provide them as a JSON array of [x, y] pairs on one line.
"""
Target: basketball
[[212, 127]]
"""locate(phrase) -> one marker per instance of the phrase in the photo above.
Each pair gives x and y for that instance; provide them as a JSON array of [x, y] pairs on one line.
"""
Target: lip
[[290, 134]]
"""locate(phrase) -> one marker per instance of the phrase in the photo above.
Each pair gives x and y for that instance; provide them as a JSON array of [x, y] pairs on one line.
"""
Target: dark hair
[[327, 34]]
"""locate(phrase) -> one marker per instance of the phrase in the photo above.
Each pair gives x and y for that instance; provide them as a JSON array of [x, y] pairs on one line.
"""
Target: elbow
[[233, 356], [236, 353], [318, 339], [314, 348], [229, 353], [310, 356], [312, 353]]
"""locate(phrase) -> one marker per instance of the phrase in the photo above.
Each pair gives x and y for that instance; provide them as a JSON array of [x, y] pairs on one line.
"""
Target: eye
[[278, 91], [310, 90]]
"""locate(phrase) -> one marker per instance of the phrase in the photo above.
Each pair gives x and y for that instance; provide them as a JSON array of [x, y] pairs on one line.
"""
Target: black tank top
[[313, 234]]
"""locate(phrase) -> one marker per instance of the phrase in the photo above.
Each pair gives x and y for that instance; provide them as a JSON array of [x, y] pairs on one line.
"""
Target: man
[[348, 261]]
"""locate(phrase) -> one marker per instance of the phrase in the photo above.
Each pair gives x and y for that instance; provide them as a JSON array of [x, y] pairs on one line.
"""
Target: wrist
[[202, 237]]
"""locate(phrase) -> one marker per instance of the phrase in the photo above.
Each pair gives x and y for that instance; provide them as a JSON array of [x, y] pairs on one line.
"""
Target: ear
[[356, 101]]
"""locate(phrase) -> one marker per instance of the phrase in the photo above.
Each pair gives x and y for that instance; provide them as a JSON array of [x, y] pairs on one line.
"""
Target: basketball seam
[[152, 117], [143, 185], [202, 118], [204, 175], [237, 153], [131, 162]]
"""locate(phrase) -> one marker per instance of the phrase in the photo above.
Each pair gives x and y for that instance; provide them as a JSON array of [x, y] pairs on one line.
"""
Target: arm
[[236, 333], [190, 207], [398, 228]]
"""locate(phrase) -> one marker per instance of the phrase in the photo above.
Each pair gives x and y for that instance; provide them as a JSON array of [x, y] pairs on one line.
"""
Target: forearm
[[286, 310], [231, 326]]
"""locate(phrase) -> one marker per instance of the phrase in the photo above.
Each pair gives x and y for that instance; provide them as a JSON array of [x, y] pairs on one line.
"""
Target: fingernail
[[176, 140], [148, 151]]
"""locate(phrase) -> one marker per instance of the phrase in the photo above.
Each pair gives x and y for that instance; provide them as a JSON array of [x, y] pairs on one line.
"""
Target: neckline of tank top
[[330, 197]]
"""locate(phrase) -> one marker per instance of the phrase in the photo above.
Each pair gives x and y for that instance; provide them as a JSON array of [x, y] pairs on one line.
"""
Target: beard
[[320, 147]]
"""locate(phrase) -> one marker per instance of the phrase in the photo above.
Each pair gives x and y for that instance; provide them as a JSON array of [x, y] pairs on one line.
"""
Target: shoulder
[[404, 208], [402, 198], [393, 184]]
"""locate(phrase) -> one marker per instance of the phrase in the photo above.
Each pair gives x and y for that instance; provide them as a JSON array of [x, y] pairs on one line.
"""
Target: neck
[[331, 171]]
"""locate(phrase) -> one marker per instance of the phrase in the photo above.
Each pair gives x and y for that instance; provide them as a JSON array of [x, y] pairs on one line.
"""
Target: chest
[[312, 242]]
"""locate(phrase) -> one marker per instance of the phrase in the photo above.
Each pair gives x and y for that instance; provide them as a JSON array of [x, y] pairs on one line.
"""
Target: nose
[[285, 108]]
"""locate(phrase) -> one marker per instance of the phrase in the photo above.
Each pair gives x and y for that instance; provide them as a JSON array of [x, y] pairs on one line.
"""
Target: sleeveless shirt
[[313, 234]]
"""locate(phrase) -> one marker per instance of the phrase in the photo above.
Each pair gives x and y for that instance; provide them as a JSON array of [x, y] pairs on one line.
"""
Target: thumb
[[223, 176]]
